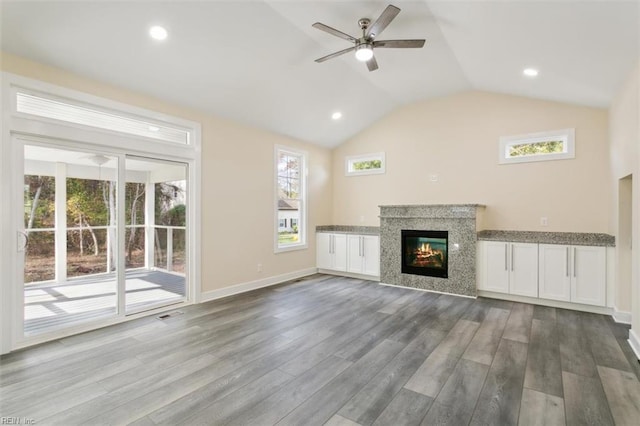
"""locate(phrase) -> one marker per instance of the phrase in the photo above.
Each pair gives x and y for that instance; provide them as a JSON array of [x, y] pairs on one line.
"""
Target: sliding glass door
[[155, 235], [104, 235], [70, 221]]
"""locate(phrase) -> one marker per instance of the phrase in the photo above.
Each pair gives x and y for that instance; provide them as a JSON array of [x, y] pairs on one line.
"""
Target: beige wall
[[237, 191], [625, 149], [457, 138], [238, 211]]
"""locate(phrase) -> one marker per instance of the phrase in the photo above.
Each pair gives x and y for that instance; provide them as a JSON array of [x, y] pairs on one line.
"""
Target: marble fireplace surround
[[463, 221]]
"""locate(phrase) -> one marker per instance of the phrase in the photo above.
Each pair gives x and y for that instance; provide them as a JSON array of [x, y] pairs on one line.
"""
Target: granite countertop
[[573, 238], [432, 205], [347, 229]]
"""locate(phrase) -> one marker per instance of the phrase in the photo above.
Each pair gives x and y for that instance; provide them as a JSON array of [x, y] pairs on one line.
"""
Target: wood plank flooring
[[333, 351]]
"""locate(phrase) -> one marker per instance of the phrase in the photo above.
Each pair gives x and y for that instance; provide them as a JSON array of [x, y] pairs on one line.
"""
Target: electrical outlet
[[433, 177], [544, 221], [361, 219], [259, 269]]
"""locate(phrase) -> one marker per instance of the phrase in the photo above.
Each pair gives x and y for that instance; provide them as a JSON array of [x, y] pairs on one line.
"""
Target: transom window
[[48, 106], [544, 146], [366, 164], [290, 199]]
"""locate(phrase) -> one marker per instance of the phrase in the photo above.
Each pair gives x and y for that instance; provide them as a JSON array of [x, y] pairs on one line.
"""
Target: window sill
[[292, 247]]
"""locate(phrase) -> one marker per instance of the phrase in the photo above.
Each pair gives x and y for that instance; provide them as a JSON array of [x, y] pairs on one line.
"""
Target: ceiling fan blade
[[372, 64], [333, 55], [333, 31], [381, 23], [399, 43]]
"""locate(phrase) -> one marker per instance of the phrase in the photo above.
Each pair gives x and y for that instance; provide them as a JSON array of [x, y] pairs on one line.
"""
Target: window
[[367, 164], [47, 106], [290, 199], [544, 146]]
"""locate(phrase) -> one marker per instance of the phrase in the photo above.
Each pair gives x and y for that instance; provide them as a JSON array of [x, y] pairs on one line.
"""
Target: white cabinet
[[331, 251], [576, 274], [588, 284], [358, 254], [555, 272], [495, 267], [523, 276], [509, 268], [371, 255], [323, 250], [363, 253]]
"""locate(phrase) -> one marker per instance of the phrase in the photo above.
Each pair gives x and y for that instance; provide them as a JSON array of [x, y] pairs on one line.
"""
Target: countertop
[[347, 229], [572, 238]]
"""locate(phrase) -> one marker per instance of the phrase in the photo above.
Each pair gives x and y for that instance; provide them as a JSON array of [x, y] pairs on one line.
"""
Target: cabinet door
[[554, 272], [339, 252], [354, 256], [589, 275], [324, 253], [371, 255], [496, 272], [523, 276]]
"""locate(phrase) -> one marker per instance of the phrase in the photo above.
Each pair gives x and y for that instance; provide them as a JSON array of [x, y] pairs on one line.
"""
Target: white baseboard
[[621, 317], [634, 342], [546, 302], [349, 275], [253, 285]]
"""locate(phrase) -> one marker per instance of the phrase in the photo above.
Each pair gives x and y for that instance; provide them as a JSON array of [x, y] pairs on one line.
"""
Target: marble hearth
[[462, 221]]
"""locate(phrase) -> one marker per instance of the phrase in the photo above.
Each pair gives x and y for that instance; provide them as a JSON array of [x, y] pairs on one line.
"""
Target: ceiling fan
[[364, 45]]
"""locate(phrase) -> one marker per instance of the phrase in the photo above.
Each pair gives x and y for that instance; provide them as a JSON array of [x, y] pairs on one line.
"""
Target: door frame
[[82, 138], [18, 338]]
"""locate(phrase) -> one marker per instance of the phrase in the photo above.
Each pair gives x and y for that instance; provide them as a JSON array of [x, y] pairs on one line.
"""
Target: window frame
[[350, 160], [302, 217], [567, 136]]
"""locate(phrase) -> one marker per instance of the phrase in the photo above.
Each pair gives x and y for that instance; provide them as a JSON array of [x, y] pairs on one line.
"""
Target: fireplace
[[461, 221], [425, 253]]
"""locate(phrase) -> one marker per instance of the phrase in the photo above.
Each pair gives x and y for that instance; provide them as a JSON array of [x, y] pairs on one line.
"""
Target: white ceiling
[[253, 61], [86, 159]]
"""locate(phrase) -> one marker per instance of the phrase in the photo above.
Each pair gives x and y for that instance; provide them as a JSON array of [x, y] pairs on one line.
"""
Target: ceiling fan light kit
[[364, 52], [364, 45]]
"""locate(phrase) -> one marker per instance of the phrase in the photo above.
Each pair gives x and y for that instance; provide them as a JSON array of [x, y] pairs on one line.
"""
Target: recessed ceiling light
[[158, 33], [530, 72], [336, 115]]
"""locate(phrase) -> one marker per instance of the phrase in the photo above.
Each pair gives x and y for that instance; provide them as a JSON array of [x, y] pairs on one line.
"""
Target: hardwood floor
[[335, 351]]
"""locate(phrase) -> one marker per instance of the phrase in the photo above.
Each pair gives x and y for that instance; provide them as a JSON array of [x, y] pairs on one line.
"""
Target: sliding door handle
[[567, 261], [22, 241]]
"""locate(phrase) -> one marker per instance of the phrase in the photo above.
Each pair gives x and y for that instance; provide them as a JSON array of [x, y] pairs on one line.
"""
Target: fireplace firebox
[[425, 253]]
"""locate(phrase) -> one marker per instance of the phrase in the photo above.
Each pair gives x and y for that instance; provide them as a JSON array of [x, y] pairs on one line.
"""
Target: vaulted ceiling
[[253, 61]]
